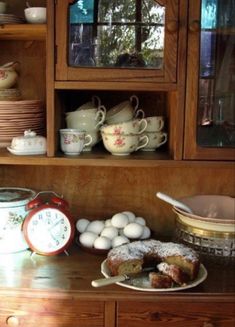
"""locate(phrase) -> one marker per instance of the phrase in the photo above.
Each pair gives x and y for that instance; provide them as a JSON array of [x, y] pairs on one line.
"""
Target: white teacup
[[91, 118], [73, 141], [94, 103], [156, 139], [155, 123], [125, 111], [134, 126], [124, 144], [96, 137]]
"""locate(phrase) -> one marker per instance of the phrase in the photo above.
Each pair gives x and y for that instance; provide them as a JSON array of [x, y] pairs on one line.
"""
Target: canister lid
[[15, 196]]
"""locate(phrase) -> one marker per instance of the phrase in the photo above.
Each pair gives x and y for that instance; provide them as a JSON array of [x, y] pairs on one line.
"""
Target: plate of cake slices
[[145, 281], [174, 266]]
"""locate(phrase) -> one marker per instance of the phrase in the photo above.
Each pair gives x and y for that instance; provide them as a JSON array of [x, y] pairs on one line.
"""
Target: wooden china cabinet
[[168, 78]]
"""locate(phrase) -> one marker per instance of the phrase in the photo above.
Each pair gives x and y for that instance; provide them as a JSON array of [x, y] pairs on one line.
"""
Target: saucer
[[25, 153]]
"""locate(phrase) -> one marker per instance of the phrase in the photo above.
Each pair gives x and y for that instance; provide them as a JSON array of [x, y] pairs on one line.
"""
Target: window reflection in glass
[[216, 101], [116, 33]]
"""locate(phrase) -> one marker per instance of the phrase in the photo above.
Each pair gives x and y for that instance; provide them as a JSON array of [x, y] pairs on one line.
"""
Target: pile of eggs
[[106, 234]]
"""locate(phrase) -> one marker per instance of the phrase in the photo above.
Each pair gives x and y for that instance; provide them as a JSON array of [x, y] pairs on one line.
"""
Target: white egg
[[119, 240], [82, 224], [95, 226], [87, 239], [140, 221], [133, 230], [107, 223], [119, 220], [130, 215], [109, 232], [102, 243], [146, 233]]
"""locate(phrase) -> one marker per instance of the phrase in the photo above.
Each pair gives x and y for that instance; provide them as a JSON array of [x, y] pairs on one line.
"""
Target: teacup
[[94, 103], [123, 144], [134, 126], [96, 137], [91, 118], [124, 111], [73, 141], [156, 139], [155, 123]]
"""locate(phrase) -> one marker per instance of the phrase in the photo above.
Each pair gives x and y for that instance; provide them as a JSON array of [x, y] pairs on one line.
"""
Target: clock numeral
[[65, 228], [40, 216], [57, 242], [63, 236], [48, 213]]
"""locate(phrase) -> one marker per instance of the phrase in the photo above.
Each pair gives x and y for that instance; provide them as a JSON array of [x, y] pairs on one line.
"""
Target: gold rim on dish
[[204, 232]]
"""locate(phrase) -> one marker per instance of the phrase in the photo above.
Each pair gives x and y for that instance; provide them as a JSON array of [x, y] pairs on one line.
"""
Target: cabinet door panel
[[50, 313], [102, 41], [210, 95], [133, 314]]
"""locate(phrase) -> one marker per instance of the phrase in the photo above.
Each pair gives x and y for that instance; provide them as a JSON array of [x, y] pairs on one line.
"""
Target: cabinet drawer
[[177, 314], [54, 312]]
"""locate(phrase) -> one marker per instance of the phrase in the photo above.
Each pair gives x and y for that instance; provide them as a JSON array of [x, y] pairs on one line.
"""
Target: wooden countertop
[[70, 276]]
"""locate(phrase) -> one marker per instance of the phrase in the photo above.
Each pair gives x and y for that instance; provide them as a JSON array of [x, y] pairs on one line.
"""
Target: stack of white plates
[[18, 116], [11, 19]]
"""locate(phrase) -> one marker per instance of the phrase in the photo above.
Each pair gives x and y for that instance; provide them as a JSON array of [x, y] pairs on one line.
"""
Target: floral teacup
[[124, 144], [73, 141], [134, 126]]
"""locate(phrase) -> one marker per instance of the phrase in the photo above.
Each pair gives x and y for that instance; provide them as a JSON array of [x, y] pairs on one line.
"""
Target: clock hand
[[52, 236], [55, 224]]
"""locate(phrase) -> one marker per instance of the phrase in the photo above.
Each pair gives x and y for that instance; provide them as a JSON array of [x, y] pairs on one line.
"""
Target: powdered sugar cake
[[132, 257]]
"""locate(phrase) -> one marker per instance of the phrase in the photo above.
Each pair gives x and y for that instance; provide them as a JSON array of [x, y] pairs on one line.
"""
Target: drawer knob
[[12, 321], [194, 26], [172, 26]]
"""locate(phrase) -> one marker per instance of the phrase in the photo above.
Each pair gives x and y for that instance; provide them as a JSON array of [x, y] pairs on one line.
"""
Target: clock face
[[48, 230]]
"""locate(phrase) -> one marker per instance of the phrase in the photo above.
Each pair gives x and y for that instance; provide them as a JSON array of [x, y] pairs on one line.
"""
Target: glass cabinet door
[[212, 66], [118, 34], [119, 39]]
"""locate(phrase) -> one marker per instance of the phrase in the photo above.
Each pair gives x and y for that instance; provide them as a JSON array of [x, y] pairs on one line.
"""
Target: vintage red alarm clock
[[49, 227]]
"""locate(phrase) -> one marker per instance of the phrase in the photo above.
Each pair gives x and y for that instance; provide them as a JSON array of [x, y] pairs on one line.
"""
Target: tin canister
[[13, 201]]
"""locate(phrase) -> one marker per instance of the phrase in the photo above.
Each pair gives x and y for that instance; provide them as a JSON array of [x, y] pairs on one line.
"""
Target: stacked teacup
[[123, 132], [88, 118], [155, 133]]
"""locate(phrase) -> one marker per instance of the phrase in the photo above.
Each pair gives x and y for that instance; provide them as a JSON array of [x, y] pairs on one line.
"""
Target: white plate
[[142, 283], [25, 153]]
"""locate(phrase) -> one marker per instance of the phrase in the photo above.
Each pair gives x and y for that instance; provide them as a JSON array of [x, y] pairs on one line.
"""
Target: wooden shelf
[[99, 158], [109, 85], [23, 32], [72, 275]]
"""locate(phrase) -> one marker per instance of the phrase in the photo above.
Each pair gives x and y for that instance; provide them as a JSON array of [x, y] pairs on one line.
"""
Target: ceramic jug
[[8, 75]]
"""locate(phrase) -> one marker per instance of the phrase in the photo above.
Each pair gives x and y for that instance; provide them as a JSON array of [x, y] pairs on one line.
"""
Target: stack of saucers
[[18, 116], [11, 19]]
